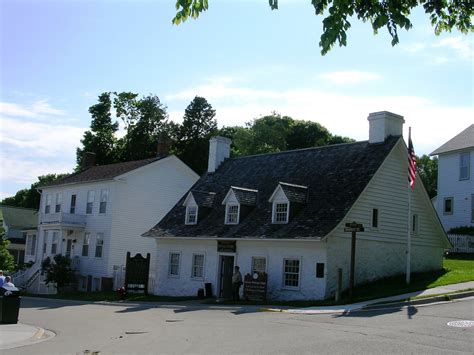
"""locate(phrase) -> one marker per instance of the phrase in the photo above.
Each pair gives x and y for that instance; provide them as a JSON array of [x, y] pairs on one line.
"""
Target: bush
[[464, 230], [58, 271]]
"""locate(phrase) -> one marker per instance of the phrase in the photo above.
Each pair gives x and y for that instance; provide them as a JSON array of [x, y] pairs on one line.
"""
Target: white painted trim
[[274, 206], [186, 221], [179, 264], [300, 267], [203, 266], [227, 210]]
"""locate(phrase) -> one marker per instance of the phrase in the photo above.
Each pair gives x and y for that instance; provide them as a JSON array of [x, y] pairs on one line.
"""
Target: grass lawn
[[456, 268]]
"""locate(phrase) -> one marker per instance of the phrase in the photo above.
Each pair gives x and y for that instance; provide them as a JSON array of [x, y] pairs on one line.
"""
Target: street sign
[[354, 227]]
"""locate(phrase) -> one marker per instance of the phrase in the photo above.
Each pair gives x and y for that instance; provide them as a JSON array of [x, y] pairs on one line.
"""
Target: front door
[[227, 269], [68, 248]]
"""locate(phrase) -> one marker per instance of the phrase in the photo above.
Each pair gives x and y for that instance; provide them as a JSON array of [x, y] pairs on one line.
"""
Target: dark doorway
[[68, 248], [227, 269]]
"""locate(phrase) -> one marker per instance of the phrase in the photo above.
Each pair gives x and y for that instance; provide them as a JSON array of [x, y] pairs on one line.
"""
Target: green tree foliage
[[7, 263], [30, 198], [445, 15], [58, 271], [427, 169], [192, 137]]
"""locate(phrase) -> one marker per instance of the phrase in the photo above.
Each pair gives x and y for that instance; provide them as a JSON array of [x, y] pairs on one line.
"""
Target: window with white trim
[[90, 201], [414, 224], [464, 165], [72, 209], [104, 197], [47, 207], [59, 200], [259, 264], [232, 214], [99, 245], [85, 244], [448, 205], [291, 273], [198, 266], [173, 267], [280, 212], [54, 243], [191, 214], [31, 245]]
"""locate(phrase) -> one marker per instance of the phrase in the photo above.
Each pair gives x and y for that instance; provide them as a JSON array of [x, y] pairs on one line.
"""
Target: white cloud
[[414, 47], [39, 108], [438, 60], [349, 77], [461, 45]]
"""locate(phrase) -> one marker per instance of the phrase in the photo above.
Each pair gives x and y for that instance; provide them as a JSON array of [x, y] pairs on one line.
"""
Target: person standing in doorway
[[236, 283]]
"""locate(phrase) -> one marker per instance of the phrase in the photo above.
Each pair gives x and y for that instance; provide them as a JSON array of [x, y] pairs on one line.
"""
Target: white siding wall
[[145, 196], [461, 191], [381, 252], [308, 252]]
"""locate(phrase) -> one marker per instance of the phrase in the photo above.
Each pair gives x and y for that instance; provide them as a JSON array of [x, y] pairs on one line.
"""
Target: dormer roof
[[294, 193], [243, 195], [201, 198]]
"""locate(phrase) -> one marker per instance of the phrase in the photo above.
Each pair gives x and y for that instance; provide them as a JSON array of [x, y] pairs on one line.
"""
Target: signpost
[[255, 286], [353, 227]]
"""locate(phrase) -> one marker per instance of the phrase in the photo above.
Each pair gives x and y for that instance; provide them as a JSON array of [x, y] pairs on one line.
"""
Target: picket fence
[[461, 243]]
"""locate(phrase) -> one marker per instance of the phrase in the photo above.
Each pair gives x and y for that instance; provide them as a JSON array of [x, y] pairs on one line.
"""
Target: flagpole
[[409, 220]]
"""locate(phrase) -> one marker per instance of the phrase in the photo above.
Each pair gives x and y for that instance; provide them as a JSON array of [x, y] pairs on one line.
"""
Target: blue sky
[[246, 60]]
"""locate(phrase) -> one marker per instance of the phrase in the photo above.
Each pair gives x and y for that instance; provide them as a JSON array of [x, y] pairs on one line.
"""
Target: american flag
[[411, 163]]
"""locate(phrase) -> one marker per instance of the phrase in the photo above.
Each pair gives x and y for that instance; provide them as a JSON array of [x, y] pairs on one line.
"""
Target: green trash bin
[[9, 304]]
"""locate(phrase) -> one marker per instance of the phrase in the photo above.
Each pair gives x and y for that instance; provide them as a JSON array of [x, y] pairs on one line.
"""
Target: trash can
[[208, 287], [9, 304]]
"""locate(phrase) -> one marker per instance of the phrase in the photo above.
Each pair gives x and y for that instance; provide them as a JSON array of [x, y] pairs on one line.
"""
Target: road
[[188, 328]]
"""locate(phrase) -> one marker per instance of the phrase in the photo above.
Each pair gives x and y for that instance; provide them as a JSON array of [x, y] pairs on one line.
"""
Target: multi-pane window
[[47, 207], [291, 273], [191, 215], [375, 218], [104, 196], [173, 268], [232, 214], [31, 245], [414, 224], [54, 243], [90, 201], [85, 244], [59, 200], [280, 212], [464, 165], [448, 205], [198, 266], [259, 264], [99, 245], [72, 209]]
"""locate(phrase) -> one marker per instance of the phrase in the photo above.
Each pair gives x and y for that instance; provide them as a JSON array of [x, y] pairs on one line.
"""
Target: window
[[319, 270], [104, 196], [45, 241], [280, 212], [47, 207], [72, 210], [291, 273], [414, 224], [31, 245], [85, 244], [59, 200], [198, 266], [448, 205], [464, 162], [90, 201], [54, 243], [259, 264], [232, 214], [191, 214], [99, 245], [173, 269], [375, 218]]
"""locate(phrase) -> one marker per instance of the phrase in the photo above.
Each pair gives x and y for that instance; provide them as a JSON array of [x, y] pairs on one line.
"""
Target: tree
[[58, 271], [445, 15], [427, 169], [7, 263], [192, 138]]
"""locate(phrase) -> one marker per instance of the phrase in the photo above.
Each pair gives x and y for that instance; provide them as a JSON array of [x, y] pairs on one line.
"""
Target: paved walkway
[[16, 335]]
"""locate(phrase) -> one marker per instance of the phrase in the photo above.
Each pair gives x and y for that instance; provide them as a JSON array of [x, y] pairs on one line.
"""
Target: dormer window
[[238, 202], [232, 214], [281, 198], [198, 204], [191, 214], [281, 212]]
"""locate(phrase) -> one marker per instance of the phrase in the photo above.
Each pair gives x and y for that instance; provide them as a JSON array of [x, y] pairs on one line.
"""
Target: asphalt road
[[188, 328]]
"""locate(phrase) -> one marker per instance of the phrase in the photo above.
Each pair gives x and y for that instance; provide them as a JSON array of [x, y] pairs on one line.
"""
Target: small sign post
[[353, 227]]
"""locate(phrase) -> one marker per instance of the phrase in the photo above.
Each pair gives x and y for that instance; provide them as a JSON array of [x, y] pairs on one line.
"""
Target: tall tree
[[7, 262], [427, 169], [444, 15], [100, 139], [192, 138]]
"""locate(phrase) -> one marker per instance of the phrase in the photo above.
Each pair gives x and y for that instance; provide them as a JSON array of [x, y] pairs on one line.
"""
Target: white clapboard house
[[284, 214]]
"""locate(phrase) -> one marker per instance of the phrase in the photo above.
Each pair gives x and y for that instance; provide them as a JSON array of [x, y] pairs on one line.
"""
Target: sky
[[56, 57]]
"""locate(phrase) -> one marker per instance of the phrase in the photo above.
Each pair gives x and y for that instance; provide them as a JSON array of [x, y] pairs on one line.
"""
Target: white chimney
[[219, 149], [383, 124]]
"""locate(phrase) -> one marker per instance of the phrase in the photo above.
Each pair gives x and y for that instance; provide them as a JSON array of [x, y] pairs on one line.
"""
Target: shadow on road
[[375, 312]]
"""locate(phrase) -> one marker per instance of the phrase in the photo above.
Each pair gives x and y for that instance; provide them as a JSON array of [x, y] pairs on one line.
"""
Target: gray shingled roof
[[335, 176], [294, 193], [103, 172], [204, 199], [463, 140], [245, 196], [18, 217]]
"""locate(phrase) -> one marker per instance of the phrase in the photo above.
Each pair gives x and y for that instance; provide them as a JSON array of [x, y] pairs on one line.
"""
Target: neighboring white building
[[284, 214], [97, 215], [455, 200]]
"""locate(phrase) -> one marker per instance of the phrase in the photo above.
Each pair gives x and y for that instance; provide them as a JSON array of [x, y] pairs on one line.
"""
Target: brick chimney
[[219, 150], [383, 124], [88, 160], [163, 146]]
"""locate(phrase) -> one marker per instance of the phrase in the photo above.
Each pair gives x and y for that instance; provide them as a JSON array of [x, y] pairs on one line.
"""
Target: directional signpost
[[353, 227]]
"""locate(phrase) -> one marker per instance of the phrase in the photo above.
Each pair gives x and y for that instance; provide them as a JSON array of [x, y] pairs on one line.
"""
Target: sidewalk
[[17, 335]]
